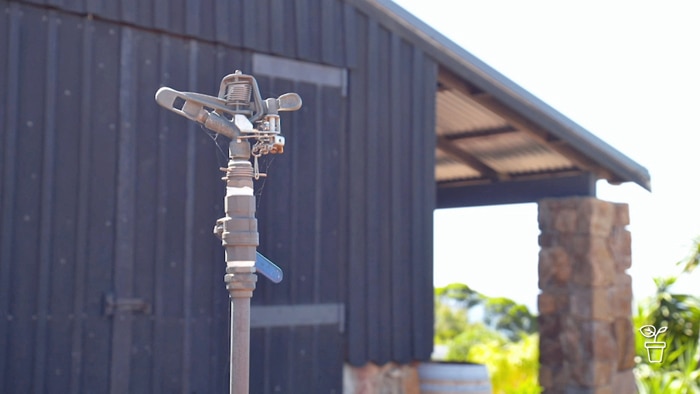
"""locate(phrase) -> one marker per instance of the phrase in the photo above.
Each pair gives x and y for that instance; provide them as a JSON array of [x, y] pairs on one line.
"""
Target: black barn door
[[297, 336]]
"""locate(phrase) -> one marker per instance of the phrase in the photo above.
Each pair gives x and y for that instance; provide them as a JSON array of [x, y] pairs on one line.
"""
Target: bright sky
[[627, 71]]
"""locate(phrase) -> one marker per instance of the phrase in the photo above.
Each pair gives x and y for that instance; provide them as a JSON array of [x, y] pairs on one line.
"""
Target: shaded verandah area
[[584, 306]]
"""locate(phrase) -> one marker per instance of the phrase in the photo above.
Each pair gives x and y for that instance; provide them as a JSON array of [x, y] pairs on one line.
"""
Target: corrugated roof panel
[[449, 169], [514, 153], [456, 113]]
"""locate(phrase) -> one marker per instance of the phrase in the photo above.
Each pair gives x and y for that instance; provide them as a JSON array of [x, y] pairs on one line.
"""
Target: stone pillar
[[585, 304]]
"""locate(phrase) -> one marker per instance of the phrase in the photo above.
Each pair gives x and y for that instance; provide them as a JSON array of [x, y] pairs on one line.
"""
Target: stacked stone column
[[585, 304]]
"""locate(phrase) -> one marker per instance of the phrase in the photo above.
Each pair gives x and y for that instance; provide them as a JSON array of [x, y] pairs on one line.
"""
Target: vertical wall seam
[[266, 358], [46, 209], [395, 101], [371, 193], [328, 46], [416, 200], [162, 197], [221, 26], [343, 224], [193, 17], [430, 87], [318, 200], [9, 178], [357, 257], [189, 225], [384, 188], [294, 203], [277, 28], [83, 221], [161, 14], [302, 28], [125, 216]]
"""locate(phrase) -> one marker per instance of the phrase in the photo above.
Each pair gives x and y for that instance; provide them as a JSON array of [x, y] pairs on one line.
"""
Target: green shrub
[[679, 372], [513, 366], [504, 339]]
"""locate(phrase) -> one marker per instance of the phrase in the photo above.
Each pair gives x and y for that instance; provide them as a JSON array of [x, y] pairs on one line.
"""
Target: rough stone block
[[553, 302], [565, 221], [623, 279], [548, 239], [624, 383], [554, 267], [586, 215], [571, 338], [544, 215], [558, 214], [546, 304], [594, 374], [621, 296], [592, 263], [550, 209], [620, 245], [577, 245], [622, 214], [556, 204], [546, 377], [550, 351], [550, 325], [595, 217], [554, 378], [598, 341], [589, 390], [624, 339], [591, 303]]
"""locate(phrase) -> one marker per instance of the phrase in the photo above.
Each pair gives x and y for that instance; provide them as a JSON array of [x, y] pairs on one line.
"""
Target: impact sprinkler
[[253, 125], [655, 349]]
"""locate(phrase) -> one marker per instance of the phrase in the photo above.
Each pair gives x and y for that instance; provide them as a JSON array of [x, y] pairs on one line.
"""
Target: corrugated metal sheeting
[[104, 194], [281, 27], [485, 147], [390, 146], [110, 278]]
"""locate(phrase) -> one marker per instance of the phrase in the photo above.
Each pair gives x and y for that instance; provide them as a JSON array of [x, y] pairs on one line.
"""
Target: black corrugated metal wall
[[104, 193], [391, 191]]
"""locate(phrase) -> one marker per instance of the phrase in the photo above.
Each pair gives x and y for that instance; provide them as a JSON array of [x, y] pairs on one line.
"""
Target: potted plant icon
[[655, 349]]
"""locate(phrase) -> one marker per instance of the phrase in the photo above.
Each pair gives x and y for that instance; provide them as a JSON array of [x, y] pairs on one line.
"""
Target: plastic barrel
[[443, 378]]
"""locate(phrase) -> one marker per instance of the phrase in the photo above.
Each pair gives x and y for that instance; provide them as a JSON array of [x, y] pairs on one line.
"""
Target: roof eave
[[468, 67]]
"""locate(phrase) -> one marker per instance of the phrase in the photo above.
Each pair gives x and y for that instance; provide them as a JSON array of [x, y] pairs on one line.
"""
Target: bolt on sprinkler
[[253, 125]]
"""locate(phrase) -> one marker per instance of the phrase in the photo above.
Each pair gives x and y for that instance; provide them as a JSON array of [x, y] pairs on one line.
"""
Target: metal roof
[[490, 130]]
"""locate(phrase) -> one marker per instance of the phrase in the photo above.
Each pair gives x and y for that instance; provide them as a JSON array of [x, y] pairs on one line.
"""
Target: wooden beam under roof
[[460, 135], [467, 158]]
